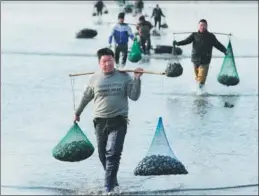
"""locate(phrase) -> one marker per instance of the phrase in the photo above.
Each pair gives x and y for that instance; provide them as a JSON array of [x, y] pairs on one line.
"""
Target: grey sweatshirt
[[110, 93]]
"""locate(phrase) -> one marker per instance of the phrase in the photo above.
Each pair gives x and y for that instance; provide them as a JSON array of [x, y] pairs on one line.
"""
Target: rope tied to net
[[175, 55], [73, 91]]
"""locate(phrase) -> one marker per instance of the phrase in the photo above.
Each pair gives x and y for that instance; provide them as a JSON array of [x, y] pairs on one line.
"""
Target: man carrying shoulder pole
[[203, 42]]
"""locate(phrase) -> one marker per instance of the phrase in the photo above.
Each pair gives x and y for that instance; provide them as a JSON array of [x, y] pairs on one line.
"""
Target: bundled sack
[[177, 51], [105, 12], [128, 8], [155, 33], [160, 159], [86, 33], [94, 14], [228, 74], [163, 49], [174, 69], [74, 147], [164, 26], [135, 52]]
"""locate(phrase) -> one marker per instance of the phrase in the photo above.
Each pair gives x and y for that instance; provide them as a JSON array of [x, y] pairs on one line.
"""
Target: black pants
[[143, 42], [99, 12], [110, 133], [121, 48], [157, 20]]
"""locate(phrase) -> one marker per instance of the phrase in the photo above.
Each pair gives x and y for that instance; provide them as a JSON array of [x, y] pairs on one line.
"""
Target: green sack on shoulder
[[135, 53], [228, 74], [74, 146]]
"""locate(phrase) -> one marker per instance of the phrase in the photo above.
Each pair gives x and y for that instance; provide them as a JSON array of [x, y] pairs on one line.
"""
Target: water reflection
[[201, 105], [229, 100], [11, 190]]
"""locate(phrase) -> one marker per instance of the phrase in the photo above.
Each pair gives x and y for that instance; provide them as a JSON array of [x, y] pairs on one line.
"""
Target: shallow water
[[218, 145]]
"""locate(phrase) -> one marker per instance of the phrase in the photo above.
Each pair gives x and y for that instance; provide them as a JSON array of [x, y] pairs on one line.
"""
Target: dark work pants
[[121, 48], [157, 20], [99, 12], [110, 133], [143, 42]]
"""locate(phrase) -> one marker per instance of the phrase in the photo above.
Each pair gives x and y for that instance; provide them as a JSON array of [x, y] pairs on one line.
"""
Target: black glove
[[175, 43]]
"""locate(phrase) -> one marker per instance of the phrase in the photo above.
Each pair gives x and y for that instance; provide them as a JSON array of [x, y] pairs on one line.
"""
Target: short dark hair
[[142, 18], [121, 15], [104, 51], [203, 20]]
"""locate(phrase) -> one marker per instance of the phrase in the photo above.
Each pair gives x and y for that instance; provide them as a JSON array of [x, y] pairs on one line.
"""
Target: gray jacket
[[110, 93]]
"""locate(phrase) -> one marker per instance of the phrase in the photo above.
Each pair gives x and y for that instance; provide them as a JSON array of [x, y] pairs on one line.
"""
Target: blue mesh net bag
[[74, 146], [160, 159], [228, 74]]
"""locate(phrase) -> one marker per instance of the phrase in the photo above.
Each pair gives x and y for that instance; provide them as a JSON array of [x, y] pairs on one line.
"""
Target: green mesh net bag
[[135, 52], [74, 146], [160, 159], [228, 75]]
